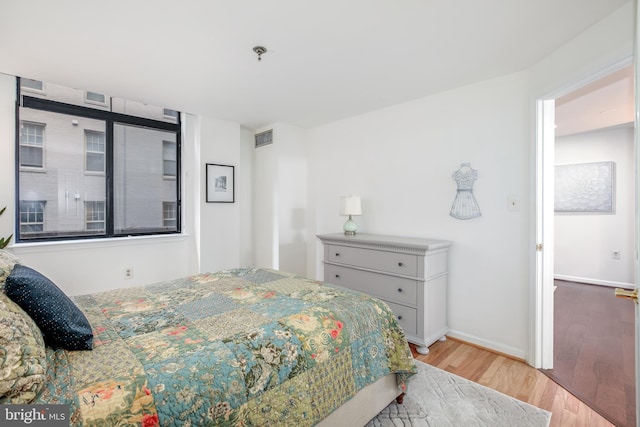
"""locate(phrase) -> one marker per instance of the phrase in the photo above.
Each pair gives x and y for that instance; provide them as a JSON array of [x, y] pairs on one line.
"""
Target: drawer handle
[[399, 317], [400, 264], [337, 254], [399, 289], [337, 276]]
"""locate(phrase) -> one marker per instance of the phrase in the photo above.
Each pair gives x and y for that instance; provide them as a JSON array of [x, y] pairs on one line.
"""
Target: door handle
[[627, 293]]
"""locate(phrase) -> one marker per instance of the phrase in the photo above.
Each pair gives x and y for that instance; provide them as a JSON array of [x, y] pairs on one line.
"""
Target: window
[[94, 151], [96, 98], [36, 85], [170, 114], [31, 217], [169, 158], [31, 145], [94, 215], [105, 170], [169, 214]]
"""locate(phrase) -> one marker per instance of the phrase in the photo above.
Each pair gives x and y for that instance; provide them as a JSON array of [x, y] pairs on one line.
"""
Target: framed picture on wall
[[220, 183], [585, 188]]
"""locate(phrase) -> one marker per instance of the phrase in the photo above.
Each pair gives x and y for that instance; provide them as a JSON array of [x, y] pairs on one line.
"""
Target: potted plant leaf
[[4, 241]]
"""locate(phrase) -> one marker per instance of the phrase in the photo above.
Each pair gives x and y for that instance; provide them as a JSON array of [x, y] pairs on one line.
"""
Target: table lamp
[[350, 205]]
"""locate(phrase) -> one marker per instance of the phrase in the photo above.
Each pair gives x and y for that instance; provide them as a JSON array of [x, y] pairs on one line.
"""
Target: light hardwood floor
[[514, 378]]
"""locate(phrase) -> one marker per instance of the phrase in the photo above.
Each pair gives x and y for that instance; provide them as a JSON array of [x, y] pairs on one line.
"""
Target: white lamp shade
[[350, 205]]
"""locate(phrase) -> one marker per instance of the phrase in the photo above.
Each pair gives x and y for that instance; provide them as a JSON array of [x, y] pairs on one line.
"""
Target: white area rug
[[436, 398]]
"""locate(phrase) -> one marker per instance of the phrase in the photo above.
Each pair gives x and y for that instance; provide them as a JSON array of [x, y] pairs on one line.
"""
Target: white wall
[[7, 153], [292, 198], [584, 242], [265, 207], [220, 222], [280, 201], [400, 160], [245, 197]]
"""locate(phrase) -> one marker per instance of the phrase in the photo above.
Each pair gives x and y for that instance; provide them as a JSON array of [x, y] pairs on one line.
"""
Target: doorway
[[593, 126]]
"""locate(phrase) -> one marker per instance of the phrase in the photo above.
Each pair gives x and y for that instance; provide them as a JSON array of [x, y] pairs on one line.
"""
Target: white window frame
[[90, 210], [170, 214], [40, 146], [170, 114], [32, 89], [164, 159], [29, 213], [87, 151], [88, 100]]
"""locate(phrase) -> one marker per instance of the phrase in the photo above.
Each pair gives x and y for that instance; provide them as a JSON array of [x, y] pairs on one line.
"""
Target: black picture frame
[[220, 180]]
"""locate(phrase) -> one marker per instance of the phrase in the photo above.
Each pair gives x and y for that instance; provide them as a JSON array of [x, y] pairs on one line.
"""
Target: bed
[[247, 346]]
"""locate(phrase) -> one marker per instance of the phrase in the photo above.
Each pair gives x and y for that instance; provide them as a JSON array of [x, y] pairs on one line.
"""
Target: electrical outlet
[[128, 272], [615, 254]]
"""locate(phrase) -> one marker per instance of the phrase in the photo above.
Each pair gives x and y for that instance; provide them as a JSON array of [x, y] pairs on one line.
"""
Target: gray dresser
[[409, 274]]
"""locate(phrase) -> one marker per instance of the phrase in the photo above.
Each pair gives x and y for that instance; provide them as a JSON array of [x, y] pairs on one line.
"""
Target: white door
[[545, 147], [633, 295]]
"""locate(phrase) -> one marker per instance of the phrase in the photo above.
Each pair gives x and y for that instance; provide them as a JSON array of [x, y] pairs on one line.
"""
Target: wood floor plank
[[514, 378], [594, 349]]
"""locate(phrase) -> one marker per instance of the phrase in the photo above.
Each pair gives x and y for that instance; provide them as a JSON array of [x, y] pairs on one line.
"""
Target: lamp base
[[350, 227]]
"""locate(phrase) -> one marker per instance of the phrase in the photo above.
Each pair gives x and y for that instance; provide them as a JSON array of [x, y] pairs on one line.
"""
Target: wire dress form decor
[[465, 205]]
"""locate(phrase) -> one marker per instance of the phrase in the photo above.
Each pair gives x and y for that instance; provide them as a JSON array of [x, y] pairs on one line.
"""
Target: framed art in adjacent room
[[585, 188], [220, 183]]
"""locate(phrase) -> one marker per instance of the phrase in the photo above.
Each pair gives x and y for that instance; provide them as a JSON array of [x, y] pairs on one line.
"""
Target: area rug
[[436, 398]]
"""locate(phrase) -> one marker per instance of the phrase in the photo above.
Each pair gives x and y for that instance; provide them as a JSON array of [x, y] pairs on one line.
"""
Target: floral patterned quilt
[[247, 347]]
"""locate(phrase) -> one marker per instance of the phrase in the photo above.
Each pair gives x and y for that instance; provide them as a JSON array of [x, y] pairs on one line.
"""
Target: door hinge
[[539, 247], [626, 293]]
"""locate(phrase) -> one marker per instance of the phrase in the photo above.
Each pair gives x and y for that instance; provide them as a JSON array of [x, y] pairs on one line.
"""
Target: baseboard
[[594, 281], [492, 346]]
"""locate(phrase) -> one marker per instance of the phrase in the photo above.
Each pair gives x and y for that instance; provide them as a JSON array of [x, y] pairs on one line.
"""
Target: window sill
[[32, 169], [39, 247]]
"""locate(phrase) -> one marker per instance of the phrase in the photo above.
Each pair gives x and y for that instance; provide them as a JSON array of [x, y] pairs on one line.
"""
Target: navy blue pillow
[[60, 320]]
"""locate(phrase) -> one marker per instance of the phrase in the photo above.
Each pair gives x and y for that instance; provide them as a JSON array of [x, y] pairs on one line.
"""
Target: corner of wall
[[7, 153]]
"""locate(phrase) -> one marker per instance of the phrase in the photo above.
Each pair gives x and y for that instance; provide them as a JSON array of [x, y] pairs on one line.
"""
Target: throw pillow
[[62, 323], [23, 362], [7, 262]]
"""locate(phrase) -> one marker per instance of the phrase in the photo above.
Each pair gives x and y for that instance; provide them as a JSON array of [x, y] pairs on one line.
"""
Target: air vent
[[264, 138]]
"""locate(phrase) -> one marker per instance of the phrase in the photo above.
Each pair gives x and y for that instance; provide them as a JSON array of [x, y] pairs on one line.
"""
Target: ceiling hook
[[260, 50]]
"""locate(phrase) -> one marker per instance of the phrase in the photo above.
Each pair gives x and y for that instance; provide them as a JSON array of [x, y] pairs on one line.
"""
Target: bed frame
[[366, 404]]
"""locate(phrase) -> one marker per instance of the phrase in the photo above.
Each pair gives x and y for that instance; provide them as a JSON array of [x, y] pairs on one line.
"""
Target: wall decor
[[585, 187], [220, 183], [465, 205]]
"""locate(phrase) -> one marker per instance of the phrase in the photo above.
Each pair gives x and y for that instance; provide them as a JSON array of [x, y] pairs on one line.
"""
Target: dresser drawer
[[388, 288], [391, 262], [407, 317]]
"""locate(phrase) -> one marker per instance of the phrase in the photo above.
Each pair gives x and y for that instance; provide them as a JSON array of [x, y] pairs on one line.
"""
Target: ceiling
[[326, 60], [606, 102]]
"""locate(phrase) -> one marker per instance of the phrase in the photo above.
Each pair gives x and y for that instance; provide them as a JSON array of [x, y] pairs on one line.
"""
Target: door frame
[[636, 63], [542, 355]]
